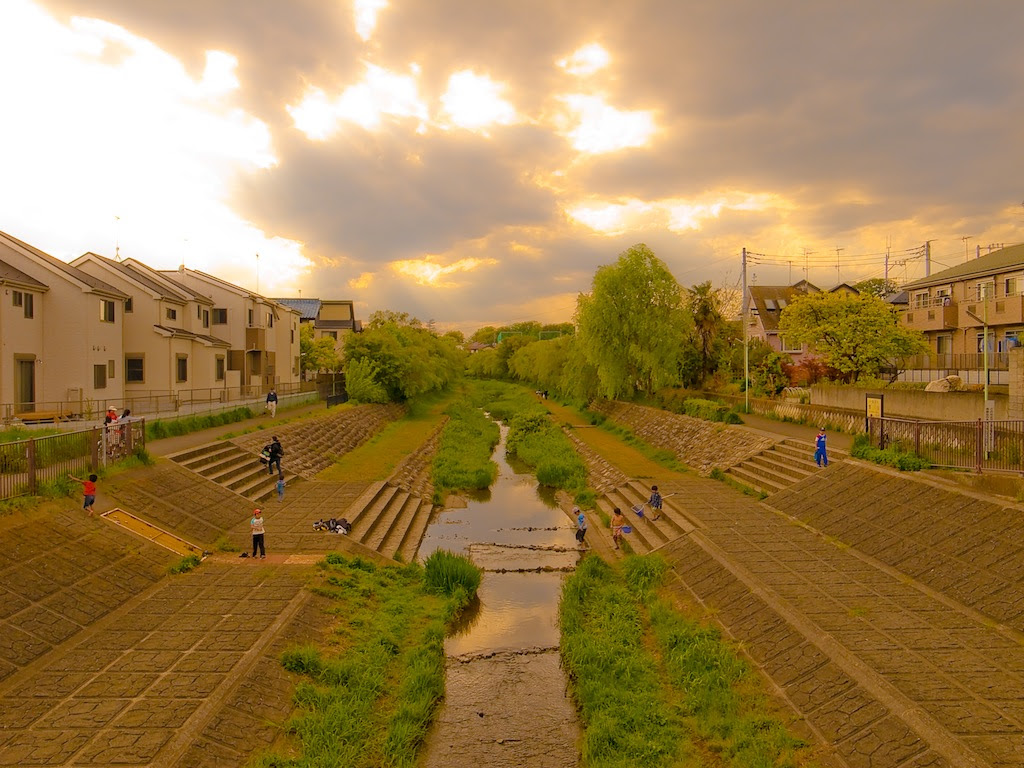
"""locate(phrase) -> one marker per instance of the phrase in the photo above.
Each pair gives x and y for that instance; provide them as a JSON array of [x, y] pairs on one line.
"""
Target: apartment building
[[61, 331], [168, 346], [953, 307], [262, 334]]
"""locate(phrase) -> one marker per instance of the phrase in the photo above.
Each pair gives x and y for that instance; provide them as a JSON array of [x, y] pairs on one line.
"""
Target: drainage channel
[[506, 698], [150, 532]]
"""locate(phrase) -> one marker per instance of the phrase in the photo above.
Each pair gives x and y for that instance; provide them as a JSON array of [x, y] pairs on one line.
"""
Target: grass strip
[[655, 687], [463, 458], [368, 699]]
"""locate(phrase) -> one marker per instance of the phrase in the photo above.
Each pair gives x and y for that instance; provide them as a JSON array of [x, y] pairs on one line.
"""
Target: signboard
[[872, 410]]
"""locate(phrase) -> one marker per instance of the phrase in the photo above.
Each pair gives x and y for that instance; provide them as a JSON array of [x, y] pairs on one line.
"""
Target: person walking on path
[[256, 526], [88, 492], [272, 402], [275, 454], [655, 502], [618, 521], [820, 456], [581, 528]]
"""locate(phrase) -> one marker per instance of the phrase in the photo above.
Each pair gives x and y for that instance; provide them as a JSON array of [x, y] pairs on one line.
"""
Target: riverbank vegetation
[[656, 688], [366, 696], [463, 458]]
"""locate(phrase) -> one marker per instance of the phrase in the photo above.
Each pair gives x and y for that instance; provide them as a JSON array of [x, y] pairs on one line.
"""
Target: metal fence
[[979, 445], [26, 464]]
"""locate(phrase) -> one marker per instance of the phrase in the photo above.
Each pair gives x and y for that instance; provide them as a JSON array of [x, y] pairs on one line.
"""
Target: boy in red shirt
[[88, 491]]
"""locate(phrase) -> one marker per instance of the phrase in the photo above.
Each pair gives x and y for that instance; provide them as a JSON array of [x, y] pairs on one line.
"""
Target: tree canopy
[[857, 335], [632, 324], [877, 286]]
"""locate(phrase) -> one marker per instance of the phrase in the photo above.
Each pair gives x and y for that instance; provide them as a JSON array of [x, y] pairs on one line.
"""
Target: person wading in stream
[[581, 528]]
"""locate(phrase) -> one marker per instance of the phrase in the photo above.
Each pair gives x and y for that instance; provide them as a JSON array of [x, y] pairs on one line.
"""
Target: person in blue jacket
[[820, 456]]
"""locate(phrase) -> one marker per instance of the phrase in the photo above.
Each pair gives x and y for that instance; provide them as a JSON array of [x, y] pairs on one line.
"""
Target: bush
[[186, 564], [893, 456], [160, 428]]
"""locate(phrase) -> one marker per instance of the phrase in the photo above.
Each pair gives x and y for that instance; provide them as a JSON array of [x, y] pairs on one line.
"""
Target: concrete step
[[758, 483], [391, 542], [361, 516], [640, 539], [781, 476], [381, 526], [782, 464], [413, 535], [241, 465], [181, 457], [218, 463]]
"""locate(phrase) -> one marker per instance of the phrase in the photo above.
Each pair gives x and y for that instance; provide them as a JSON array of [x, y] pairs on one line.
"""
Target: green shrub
[[184, 425], [895, 455], [186, 564]]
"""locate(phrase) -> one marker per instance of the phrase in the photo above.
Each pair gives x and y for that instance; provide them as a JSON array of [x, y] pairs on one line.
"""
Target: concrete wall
[[915, 404]]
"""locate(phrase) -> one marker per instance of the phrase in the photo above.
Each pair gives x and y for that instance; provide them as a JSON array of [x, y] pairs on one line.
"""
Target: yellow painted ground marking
[[151, 533]]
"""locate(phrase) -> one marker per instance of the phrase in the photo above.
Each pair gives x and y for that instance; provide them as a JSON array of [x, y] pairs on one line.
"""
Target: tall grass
[[453, 576], [656, 688], [368, 696], [183, 425], [463, 458]]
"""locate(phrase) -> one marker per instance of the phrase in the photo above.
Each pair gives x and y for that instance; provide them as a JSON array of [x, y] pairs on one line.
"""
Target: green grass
[[463, 458], [184, 425], [368, 696], [185, 564], [894, 456], [656, 688]]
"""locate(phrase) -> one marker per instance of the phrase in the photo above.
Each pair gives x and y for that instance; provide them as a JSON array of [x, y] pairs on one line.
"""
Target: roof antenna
[[117, 238]]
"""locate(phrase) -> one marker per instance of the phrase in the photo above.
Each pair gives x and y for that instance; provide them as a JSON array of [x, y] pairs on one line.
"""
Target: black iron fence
[[27, 464], [979, 445]]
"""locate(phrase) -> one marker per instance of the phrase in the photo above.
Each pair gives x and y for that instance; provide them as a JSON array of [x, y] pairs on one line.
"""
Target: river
[[506, 698]]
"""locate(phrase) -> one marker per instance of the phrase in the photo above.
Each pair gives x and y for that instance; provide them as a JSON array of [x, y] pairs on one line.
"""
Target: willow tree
[[632, 324]]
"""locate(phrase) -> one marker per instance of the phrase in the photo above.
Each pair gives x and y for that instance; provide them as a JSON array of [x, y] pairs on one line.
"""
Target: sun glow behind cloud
[[107, 113], [600, 127], [427, 272], [366, 12], [586, 60], [380, 94], [474, 102]]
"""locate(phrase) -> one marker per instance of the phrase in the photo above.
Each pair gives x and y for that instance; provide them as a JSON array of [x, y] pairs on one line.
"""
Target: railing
[[928, 303], [973, 361], [140, 402], [978, 445], [25, 464]]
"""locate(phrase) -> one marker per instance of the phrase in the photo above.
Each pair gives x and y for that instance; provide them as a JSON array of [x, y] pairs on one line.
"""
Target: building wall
[[20, 338], [915, 404]]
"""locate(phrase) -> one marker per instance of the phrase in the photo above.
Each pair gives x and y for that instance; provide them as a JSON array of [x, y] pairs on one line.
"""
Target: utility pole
[[746, 350], [967, 254], [806, 254], [927, 258], [838, 249], [888, 245], [257, 273]]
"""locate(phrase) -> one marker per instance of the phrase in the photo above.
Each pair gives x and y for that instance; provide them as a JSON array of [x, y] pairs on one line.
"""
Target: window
[[134, 369], [250, 317], [199, 312], [769, 304], [110, 369], [106, 311], [99, 377], [182, 368], [206, 318], [29, 305], [985, 290], [219, 368], [220, 316], [788, 347], [944, 344], [16, 297], [1011, 339], [270, 319], [293, 336], [1012, 285], [128, 306], [172, 314], [331, 335], [981, 342]]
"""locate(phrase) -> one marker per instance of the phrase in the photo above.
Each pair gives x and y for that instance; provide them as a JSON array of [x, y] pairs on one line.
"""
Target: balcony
[[255, 338], [1001, 310], [933, 315]]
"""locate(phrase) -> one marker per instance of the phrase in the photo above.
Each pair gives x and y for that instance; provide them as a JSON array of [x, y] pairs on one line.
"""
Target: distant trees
[[316, 354], [631, 324], [857, 335], [711, 331], [877, 286]]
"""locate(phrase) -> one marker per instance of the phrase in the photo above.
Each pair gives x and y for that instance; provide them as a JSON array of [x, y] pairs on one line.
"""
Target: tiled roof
[[13, 274], [770, 300], [7, 243], [308, 309], [335, 324], [130, 271], [1003, 260]]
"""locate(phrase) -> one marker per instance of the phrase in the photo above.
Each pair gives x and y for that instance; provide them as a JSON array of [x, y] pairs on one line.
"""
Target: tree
[[317, 354], [877, 286], [858, 335], [632, 324], [709, 326]]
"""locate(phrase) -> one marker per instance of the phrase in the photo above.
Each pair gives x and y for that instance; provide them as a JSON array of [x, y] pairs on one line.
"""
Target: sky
[[474, 163]]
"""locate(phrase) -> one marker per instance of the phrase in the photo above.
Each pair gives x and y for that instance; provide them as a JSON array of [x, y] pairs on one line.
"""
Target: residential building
[[764, 307], [168, 346], [262, 334], [61, 331], [952, 308], [330, 318]]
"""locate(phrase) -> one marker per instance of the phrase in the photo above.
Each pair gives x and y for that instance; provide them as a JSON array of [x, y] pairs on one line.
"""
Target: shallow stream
[[506, 700]]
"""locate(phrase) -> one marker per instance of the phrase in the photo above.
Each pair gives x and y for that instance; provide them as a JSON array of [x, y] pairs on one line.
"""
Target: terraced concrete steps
[[233, 468], [647, 534], [390, 520], [781, 466]]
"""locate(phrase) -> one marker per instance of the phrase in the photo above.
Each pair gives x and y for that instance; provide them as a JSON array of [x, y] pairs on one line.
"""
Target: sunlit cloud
[[474, 102], [381, 93], [128, 133], [365, 12], [673, 214], [362, 282], [600, 127], [427, 272], [586, 60]]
